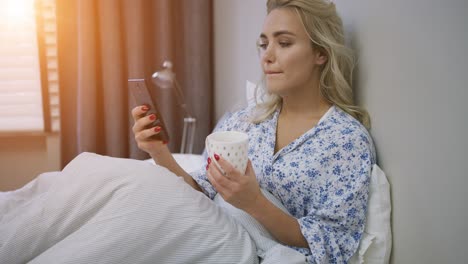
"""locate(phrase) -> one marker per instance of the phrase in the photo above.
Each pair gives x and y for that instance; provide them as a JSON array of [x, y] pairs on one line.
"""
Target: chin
[[276, 88]]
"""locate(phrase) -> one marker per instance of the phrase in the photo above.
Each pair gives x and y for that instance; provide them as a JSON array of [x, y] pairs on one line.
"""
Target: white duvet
[[100, 209]]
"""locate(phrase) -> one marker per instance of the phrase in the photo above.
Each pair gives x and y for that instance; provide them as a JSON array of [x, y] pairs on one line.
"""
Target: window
[[28, 66]]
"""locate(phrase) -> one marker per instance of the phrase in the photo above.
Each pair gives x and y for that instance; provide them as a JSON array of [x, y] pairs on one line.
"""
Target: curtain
[[103, 43]]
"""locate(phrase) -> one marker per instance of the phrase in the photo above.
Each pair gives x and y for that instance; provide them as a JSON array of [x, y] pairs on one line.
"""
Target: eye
[[262, 44], [284, 44]]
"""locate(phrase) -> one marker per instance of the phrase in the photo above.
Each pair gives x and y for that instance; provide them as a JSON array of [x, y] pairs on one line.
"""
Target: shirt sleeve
[[334, 225], [202, 180]]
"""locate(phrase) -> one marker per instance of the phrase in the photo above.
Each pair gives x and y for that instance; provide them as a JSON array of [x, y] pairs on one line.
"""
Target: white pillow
[[376, 243], [250, 93], [189, 162]]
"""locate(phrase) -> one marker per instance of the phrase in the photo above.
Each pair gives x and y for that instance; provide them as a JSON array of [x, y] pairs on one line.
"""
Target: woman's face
[[288, 60]]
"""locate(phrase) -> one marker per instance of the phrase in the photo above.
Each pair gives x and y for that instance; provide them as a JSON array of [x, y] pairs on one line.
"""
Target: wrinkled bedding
[[100, 209]]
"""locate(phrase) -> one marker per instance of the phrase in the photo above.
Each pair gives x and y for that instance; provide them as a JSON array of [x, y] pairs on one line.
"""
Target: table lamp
[[166, 79]]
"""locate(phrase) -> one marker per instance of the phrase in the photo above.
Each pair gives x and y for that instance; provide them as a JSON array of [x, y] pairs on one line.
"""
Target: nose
[[268, 55]]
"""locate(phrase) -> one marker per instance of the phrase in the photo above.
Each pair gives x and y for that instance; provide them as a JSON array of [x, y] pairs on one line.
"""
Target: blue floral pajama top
[[322, 178]]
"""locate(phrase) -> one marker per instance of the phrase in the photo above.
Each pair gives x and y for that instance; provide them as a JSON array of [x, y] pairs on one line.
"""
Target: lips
[[272, 72]]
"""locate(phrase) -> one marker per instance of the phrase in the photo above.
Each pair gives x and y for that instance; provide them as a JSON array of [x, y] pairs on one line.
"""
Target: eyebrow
[[278, 33]]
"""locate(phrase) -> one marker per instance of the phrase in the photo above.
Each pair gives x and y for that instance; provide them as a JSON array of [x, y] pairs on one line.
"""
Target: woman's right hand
[[156, 148], [143, 133]]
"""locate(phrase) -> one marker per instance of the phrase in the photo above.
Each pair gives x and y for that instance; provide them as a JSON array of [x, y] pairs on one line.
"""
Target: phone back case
[[142, 95]]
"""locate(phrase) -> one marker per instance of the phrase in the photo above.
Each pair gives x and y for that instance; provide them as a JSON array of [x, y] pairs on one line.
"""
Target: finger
[[218, 187], [139, 111], [220, 178], [219, 170], [250, 170], [143, 123], [147, 133], [228, 168], [223, 172], [249, 174]]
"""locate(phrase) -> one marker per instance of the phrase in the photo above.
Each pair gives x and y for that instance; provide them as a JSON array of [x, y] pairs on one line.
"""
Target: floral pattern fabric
[[322, 178]]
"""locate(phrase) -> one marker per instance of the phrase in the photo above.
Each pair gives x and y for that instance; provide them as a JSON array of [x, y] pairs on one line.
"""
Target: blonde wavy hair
[[325, 30]]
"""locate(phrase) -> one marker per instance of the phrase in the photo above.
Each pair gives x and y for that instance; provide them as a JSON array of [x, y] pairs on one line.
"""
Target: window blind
[[20, 85], [28, 94], [48, 48]]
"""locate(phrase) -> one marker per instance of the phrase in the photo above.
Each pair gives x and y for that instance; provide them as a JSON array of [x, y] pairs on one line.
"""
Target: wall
[[237, 25], [22, 159], [412, 77], [413, 80]]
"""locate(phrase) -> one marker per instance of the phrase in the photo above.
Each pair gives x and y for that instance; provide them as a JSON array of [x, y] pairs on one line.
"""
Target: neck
[[309, 104]]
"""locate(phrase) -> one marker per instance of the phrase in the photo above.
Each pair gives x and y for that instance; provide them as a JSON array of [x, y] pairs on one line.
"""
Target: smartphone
[[142, 95]]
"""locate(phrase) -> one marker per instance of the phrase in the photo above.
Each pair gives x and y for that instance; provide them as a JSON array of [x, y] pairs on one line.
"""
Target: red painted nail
[[209, 160], [207, 167], [157, 129], [216, 156], [152, 117], [144, 108]]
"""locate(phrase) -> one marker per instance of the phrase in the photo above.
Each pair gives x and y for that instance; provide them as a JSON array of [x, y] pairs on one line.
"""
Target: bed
[[100, 209]]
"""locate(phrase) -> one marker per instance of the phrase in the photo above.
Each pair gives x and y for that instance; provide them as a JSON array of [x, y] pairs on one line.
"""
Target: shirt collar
[[273, 124]]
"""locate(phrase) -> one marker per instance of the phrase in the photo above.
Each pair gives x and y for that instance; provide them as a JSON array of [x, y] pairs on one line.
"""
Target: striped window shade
[[28, 66]]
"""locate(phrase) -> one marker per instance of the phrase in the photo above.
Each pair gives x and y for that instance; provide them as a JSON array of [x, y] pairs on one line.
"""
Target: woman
[[308, 142]]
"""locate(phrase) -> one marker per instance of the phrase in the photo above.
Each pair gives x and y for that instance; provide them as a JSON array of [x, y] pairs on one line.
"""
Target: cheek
[[299, 68]]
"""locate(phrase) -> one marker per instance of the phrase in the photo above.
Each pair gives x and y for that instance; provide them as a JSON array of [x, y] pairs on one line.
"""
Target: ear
[[320, 57]]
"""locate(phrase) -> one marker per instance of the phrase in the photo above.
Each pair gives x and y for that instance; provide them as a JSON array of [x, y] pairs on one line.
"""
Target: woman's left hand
[[240, 190]]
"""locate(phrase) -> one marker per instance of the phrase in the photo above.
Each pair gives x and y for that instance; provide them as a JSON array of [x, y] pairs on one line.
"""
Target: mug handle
[[211, 155]]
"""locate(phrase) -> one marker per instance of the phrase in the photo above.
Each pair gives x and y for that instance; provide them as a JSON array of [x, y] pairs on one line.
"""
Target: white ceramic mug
[[231, 145]]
